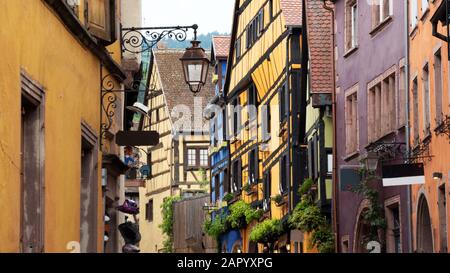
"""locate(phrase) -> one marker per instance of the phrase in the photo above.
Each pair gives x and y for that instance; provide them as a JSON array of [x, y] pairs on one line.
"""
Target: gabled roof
[[320, 43], [292, 12], [221, 46], [175, 89]]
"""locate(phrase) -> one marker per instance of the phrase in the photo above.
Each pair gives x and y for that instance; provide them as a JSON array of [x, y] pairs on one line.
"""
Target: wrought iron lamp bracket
[[133, 40]]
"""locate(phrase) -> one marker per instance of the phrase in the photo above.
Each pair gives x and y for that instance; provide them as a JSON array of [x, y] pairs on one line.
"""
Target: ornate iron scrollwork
[[133, 40], [138, 40], [421, 151], [108, 99], [388, 151], [444, 127]]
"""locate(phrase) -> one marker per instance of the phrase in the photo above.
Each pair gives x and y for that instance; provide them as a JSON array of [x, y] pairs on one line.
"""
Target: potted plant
[[248, 189], [228, 197], [278, 199]]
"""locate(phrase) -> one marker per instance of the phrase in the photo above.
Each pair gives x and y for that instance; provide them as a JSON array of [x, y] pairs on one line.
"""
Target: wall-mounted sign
[[403, 174], [137, 138]]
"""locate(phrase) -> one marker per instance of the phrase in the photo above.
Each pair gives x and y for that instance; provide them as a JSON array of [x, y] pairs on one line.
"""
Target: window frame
[[197, 164]]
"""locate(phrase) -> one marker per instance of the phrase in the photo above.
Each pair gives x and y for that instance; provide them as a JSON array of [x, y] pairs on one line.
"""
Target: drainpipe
[[407, 126], [288, 102], [333, 102]]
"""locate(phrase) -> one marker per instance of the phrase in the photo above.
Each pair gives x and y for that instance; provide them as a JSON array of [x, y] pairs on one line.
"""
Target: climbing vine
[[167, 222], [373, 216]]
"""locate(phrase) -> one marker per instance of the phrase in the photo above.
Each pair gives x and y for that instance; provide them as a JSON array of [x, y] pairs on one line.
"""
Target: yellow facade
[[264, 65], [34, 40], [169, 173]]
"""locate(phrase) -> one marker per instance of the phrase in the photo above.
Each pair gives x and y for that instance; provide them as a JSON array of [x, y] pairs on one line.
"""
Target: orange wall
[[423, 46]]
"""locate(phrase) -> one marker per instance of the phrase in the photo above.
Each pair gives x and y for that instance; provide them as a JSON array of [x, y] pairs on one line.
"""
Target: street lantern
[[371, 161], [195, 66]]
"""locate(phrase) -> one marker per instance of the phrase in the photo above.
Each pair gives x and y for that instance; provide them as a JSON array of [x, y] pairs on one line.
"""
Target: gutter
[[333, 102], [407, 126], [75, 27]]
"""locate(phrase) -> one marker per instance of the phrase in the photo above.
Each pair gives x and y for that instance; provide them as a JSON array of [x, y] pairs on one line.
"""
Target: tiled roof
[[221, 46], [292, 11], [320, 46], [175, 89]]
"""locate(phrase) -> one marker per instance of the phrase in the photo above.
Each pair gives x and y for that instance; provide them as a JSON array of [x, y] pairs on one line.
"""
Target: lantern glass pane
[[194, 72]]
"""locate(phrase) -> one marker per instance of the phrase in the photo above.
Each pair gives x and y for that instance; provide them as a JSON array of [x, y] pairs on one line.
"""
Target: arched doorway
[[424, 232], [362, 236]]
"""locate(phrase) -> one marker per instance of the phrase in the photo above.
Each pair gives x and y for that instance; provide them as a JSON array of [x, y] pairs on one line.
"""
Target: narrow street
[[225, 126]]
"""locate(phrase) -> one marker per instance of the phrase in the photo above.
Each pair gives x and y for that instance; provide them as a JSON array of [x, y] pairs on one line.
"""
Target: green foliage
[[267, 231], [324, 240], [228, 197], [308, 218], [204, 182], [305, 187], [278, 199], [242, 214], [167, 221], [214, 228], [373, 216]]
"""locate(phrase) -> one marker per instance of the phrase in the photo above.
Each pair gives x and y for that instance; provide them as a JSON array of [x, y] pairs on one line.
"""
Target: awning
[[403, 174]]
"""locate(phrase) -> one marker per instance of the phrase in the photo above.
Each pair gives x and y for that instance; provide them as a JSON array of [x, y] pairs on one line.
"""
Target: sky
[[209, 15]]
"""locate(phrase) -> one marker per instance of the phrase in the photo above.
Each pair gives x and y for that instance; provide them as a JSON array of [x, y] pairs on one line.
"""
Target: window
[[252, 103], [266, 122], [253, 166], [381, 10], [238, 49], [267, 184], [226, 183], [282, 98], [192, 157], [149, 211], [271, 9], [197, 157], [236, 116], [236, 175], [414, 13], [415, 97], [204, 157], [88, 190], [100, 19], [393, 238], [381, 106], [217, 187], [312, 163], [402, 97], [330, 162], [426, 99], [351, 24], [284, 174], [32, 166], [438, 86], [351, 120], [255, 29]]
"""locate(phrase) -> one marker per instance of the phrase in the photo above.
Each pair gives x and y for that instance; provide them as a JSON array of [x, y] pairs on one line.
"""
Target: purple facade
[[377, 52]]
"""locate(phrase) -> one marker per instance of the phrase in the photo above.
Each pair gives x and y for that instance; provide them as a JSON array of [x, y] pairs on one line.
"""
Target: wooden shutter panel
[[100, 16]]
